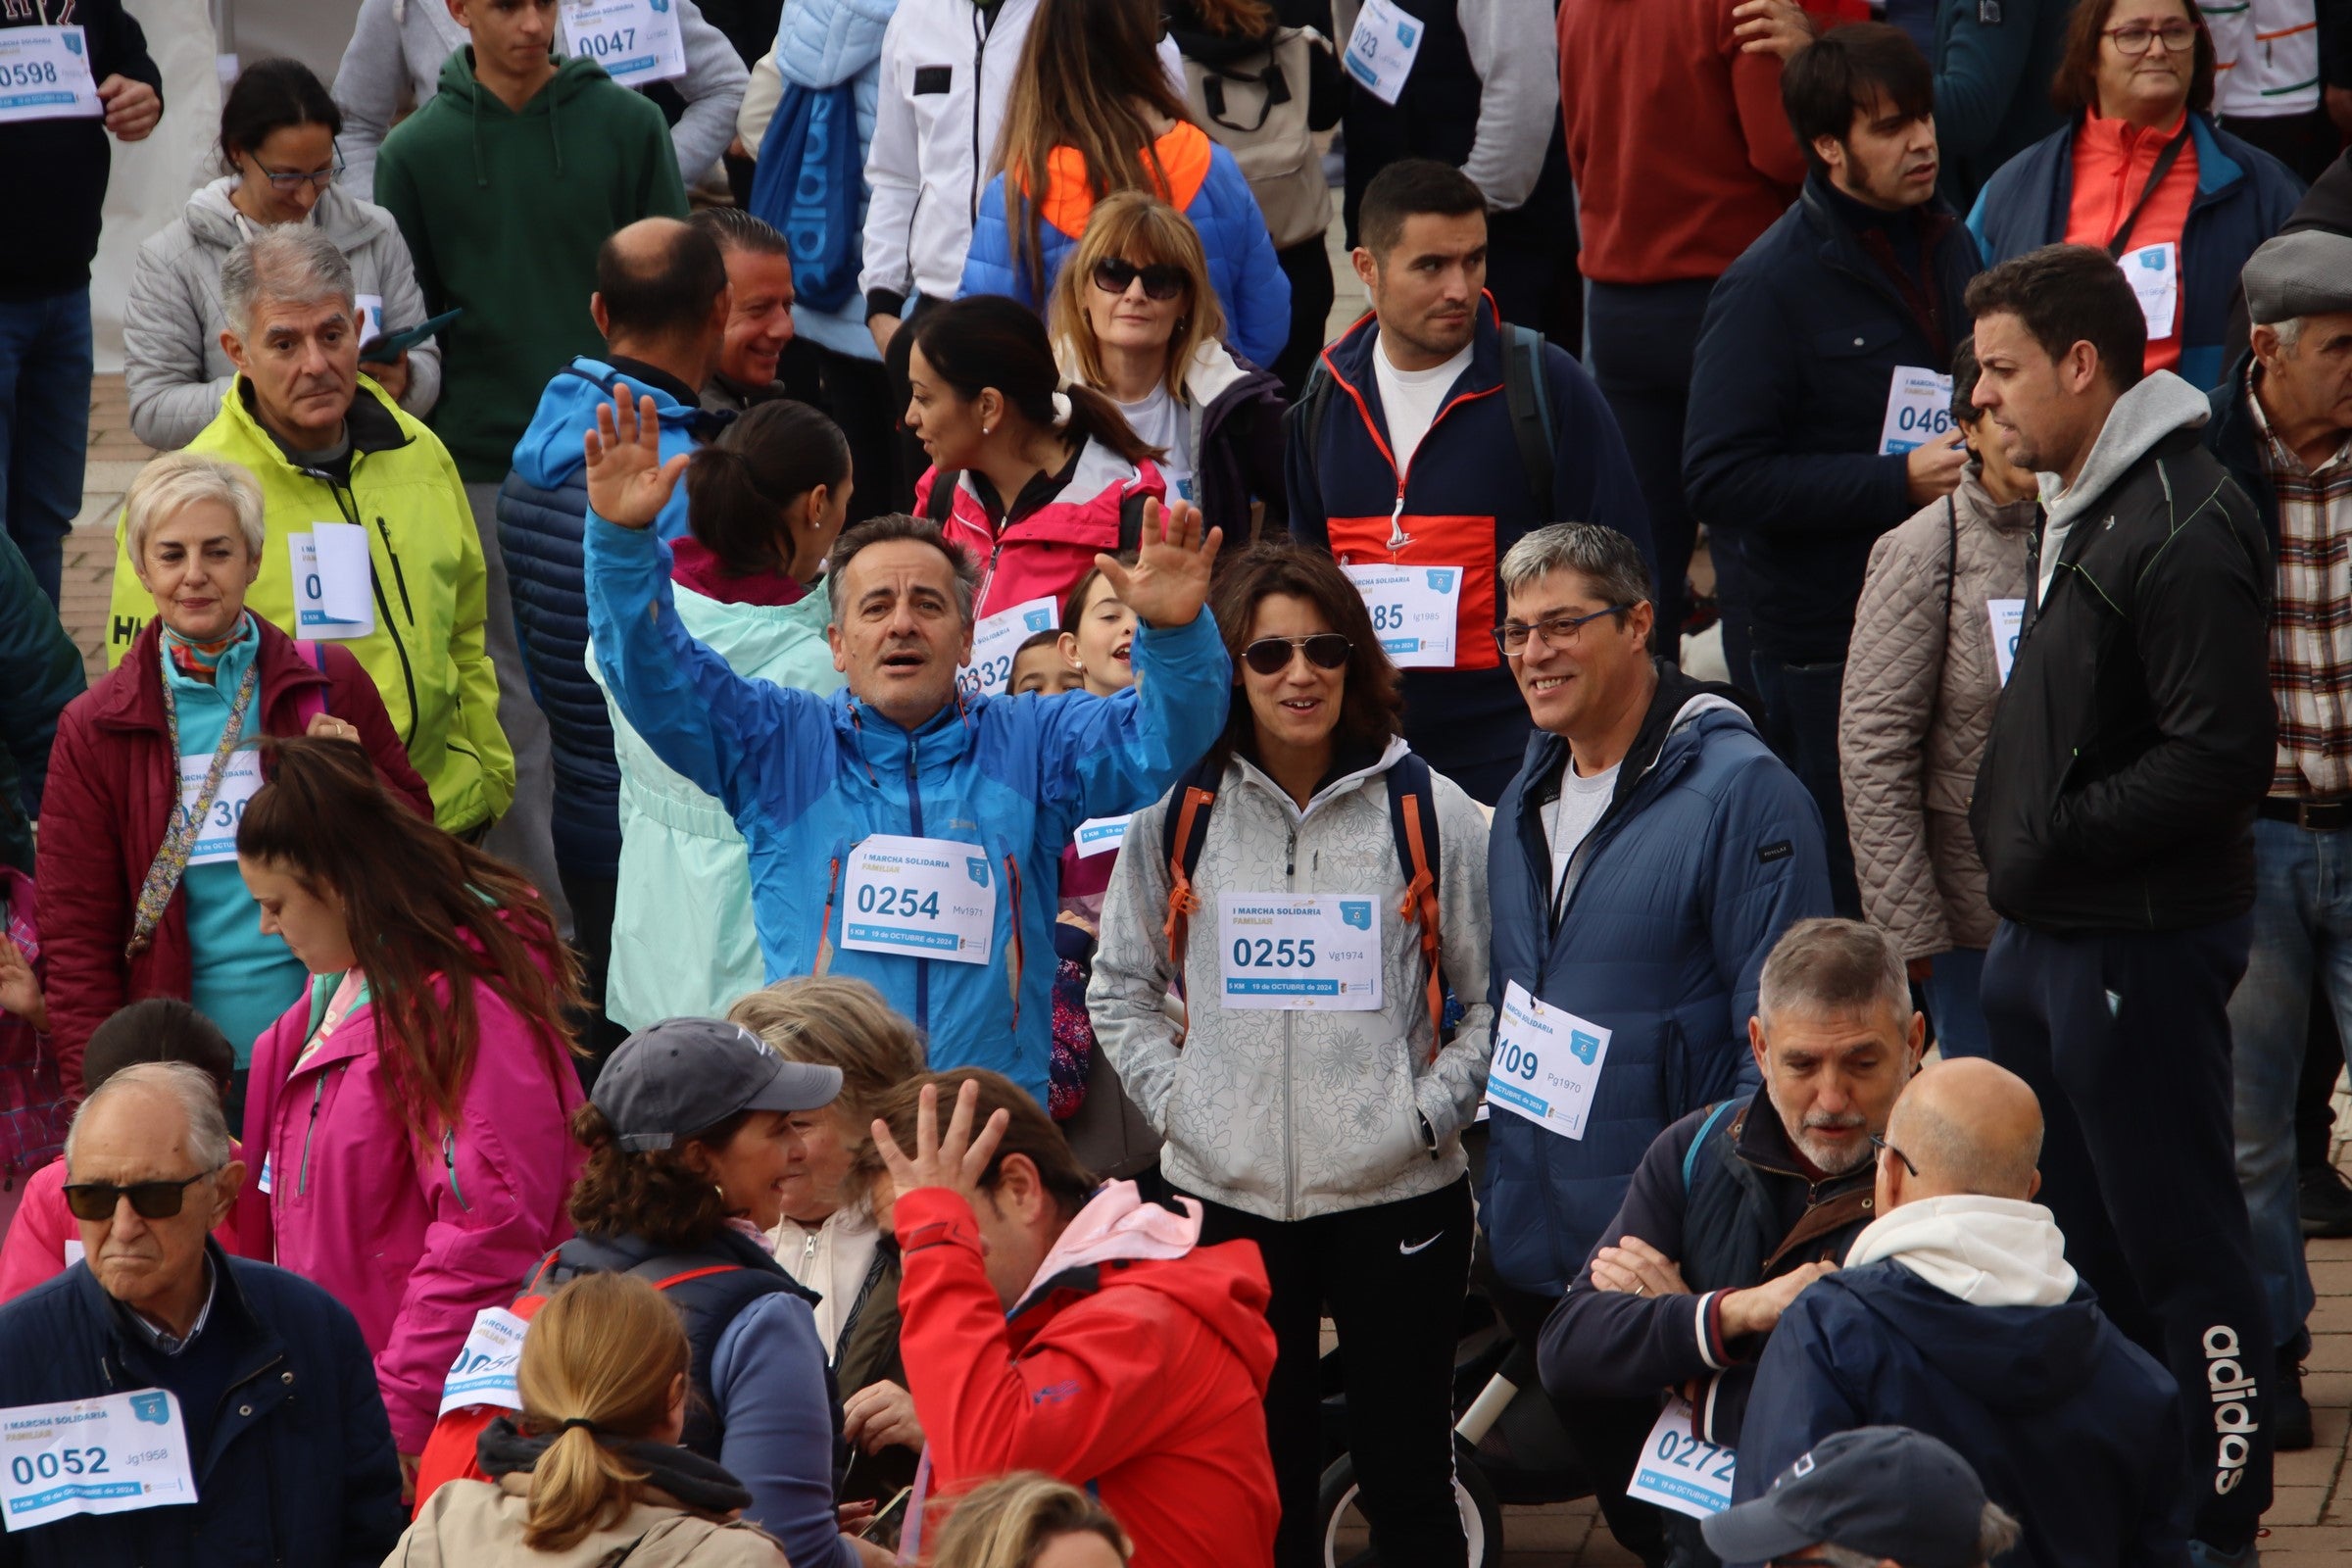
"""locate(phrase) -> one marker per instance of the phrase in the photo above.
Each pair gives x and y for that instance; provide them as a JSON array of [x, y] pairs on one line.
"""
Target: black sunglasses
[[1160, 281], [1271, 656], [96, 1200]]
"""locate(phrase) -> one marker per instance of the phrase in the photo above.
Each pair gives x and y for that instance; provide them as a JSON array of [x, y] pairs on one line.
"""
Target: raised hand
[[1169, 580], [956, 1161], [20, 991], [628, 483]]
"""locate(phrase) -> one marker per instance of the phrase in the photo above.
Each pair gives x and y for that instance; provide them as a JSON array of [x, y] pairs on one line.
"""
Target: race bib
[[1547, 1063], [116, 1454], [1381, 50], [45, 75], [1918, 409], [216, 838], [2154, 272], [2008, 625], [1299, 953], [1416, 611], [1101, 835], [334, 583], [370, 308], [1680, 1470], [636, 42], [920, 899], [484, 1371], [998, 638]]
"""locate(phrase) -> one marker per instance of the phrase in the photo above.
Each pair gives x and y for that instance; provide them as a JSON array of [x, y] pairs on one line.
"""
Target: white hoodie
[[1988, 1252]]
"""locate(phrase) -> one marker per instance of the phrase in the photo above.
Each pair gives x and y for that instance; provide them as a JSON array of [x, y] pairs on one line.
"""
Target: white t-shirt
[[1571, 818], [1411, 398], [1159, 420]]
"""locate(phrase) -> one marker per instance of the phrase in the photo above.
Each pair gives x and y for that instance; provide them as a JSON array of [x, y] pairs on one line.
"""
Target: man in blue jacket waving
[[897, 832]]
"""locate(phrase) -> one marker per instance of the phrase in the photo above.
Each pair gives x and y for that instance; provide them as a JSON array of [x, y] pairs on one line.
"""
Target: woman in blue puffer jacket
[[1092, 112]]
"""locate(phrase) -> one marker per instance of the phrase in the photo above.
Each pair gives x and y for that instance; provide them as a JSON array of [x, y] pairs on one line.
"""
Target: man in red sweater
[[1681, 157], [1050, 1325]]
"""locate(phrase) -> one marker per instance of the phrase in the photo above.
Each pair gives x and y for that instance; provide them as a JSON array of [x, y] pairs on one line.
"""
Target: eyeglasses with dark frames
[[2135, 38], [1885, 1148], [158, 1199], [1557, 631], [1115, 275], [286, 181]]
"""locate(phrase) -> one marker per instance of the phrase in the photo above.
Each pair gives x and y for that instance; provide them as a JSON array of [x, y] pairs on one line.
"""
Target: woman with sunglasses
[[1133, 317], [1307, 1099], [278, 142], [1092, 111], [2143, 172], [408, 1121]]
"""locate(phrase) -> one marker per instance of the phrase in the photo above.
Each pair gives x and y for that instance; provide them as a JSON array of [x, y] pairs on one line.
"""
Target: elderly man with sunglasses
[[164, 1403], [1643, 863]]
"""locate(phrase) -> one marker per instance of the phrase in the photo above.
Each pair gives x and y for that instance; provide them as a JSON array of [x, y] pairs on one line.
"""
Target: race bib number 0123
[[110, 1455]]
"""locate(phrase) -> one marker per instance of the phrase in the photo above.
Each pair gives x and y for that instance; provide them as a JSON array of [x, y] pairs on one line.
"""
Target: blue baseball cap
[[672, 1079], [1885, 1491]]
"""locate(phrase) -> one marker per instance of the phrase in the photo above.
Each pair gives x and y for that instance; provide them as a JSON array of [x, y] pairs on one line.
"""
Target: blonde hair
[[1008, 1522], [606, 1350], [1137, 227], [177, 480], [835, 1021]]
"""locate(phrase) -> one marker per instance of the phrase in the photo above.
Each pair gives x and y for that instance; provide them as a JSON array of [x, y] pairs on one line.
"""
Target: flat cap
[[2309, 273]]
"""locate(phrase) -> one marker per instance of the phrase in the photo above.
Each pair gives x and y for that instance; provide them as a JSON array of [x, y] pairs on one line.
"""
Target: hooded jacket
[[1960, 1317], [681, 948], [296, 1468], [399, 48], [1292, 1114], [1204, 184], [1708, 850], [541, 510], [1232, 428], [1134, 1366], [478, 1524], [2138, 730], [40, 673], [504, 212], [1920, 678], [1040, 549], [426, 650], [1464, 502], [173, 360], [2243, 197], [114, 791], [413, 1239], [808, 778]]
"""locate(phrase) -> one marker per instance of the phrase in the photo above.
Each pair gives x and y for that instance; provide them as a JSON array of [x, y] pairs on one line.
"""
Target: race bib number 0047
[[636, 42], [108, 1456]]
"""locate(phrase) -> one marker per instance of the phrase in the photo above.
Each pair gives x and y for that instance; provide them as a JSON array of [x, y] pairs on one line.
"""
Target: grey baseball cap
[[2306, 273], [1885, 1491], [670, 1080]]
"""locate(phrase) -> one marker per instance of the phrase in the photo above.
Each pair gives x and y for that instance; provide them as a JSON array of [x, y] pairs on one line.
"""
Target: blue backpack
[[809, 185]]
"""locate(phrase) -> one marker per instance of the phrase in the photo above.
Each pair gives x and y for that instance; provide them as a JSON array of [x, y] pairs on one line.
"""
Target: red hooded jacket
[[1142, 1378], [113, 789], [1048, 538]]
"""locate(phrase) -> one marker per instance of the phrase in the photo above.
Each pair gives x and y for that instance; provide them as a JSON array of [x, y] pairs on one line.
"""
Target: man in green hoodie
[[505, 184]]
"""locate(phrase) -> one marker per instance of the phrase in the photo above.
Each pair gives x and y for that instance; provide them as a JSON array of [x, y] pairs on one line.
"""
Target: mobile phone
[[385, 347], [888, 1520]]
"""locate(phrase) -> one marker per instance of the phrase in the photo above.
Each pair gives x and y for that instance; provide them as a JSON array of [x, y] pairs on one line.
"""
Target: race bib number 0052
[[110, 1455]]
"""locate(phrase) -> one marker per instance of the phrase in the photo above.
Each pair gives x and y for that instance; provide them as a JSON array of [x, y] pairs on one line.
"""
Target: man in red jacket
[[1049, 1325]]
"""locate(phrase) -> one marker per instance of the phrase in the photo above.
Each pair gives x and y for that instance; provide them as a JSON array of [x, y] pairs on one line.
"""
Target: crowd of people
[[1746, 769]]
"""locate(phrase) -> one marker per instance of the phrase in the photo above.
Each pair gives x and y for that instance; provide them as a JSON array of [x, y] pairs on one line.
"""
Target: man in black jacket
[[2114, 811], [85, 63]]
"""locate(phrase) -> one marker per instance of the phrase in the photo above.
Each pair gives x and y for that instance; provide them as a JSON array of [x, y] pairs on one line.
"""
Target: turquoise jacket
[[808, 779], [681, 948]]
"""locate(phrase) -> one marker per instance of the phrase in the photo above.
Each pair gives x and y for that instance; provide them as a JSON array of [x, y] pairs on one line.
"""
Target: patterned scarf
[[200, 661]]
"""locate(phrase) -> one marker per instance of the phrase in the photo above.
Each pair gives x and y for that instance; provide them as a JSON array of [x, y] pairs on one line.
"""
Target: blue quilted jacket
[[820, 44], [1708, 850], [540, 511]]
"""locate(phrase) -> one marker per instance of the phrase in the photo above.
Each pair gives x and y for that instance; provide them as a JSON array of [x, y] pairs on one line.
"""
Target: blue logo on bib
[[977, 866], [1357, 912], [1583, 1047], [73, 41], [1441, 581], [152, 1407]]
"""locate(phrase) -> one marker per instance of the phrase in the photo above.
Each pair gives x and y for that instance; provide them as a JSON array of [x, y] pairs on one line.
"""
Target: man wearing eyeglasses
[[1957, 1313], [271, 1401]]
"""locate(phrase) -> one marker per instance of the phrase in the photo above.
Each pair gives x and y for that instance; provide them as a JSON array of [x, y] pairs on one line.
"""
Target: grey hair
[[198, 1094], [293, 262], [2290, 333], [1834, 966], [1998, 1531], [890, 526], [1603, 556], [177, 480]]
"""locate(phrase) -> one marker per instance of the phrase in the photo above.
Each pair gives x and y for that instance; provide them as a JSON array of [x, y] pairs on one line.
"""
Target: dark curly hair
[[649, 1192]]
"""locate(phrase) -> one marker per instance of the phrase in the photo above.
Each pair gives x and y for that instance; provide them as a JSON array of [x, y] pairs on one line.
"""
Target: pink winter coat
[[414, 1241]]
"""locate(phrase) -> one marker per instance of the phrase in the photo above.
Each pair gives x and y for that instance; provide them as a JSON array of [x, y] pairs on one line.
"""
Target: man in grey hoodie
[[2115, 813]]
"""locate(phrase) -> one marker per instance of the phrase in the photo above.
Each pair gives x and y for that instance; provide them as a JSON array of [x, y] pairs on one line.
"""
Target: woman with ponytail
[[765, 503], [1031, 475], [408, 1118], [591, 1472]]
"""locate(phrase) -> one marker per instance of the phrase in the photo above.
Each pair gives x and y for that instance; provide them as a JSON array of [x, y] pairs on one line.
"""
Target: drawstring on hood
[[1986, 1251], [457, 78]]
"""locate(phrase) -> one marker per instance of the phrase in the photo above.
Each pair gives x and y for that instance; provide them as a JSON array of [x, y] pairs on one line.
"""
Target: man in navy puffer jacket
[[661, 303]]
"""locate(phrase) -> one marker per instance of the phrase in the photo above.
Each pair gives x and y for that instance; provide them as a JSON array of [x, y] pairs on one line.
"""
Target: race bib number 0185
[[1415, 612], [108, 1456]]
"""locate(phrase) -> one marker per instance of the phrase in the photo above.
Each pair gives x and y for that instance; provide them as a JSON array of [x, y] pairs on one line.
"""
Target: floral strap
[[171, 860]]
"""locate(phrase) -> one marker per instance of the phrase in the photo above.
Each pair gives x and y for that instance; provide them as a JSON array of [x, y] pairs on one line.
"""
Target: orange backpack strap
[[1183, 832], [1413, 820]]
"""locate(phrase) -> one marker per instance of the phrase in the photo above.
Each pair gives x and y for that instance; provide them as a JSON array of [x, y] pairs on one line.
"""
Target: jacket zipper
[[449, 1164], [984, 23], [914, 815], [302, 1177], [348, 505], [1290, 1160]]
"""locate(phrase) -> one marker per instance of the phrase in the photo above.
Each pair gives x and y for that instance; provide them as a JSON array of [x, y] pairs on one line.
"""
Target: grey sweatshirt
[[2160, 404]]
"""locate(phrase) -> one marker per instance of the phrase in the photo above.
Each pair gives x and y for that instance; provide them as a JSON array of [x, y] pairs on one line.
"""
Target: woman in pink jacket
[[408, 1121]]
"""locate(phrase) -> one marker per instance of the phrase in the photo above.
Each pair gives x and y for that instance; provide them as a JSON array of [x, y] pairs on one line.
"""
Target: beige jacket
[[1918, 705], [478, 1524]]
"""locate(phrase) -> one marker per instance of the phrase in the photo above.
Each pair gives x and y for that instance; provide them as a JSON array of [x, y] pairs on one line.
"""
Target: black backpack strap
[[1527, 393], [1413, 822], [940, 505]]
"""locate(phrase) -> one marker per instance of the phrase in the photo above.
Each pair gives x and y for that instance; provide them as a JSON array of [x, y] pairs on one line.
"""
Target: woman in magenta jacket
[[408, 1121]]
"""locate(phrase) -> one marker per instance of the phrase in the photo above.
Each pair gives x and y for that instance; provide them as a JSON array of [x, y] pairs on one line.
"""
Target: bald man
[[1956, 1313], [661, 300]]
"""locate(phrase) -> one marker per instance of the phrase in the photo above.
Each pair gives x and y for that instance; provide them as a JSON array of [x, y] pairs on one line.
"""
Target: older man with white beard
[[1741, 1204]]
